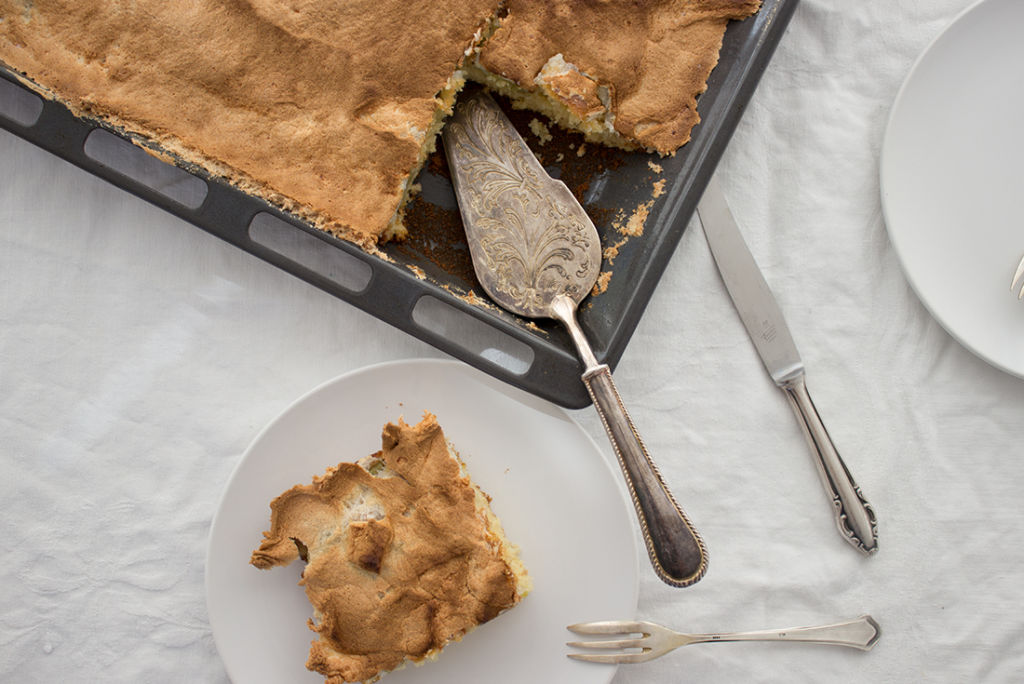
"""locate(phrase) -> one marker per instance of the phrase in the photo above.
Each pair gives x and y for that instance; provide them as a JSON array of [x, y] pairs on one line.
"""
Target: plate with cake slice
[[420, 520]]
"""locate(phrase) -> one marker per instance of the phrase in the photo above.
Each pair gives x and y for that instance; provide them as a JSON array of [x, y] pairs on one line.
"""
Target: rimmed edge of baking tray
[[393, 290]]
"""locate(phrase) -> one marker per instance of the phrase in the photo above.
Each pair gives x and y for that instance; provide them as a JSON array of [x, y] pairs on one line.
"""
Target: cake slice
[[403, 555], [623, 74]]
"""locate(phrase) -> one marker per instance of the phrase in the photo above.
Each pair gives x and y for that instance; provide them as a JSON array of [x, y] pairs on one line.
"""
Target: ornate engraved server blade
[[538, 254], [529, 238]]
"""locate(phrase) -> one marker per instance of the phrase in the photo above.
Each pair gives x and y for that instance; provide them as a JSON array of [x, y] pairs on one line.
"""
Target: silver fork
[[655, 641], [1018, 280]]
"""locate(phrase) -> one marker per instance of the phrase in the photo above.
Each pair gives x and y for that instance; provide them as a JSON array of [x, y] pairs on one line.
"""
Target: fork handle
[[860, 633]]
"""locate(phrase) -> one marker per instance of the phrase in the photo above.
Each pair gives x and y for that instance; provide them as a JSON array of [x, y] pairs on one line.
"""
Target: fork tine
[[613, 657], [613, 627], [1018, 279], [610, 627], [611, 643]]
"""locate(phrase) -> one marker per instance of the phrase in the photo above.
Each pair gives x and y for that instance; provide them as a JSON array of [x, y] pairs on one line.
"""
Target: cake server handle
[[676, 551]]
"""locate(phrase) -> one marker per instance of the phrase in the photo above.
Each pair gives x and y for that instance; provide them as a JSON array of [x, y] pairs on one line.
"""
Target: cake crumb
[[582, 150], [602, 283], [473, 298], [540, 130], [656, 168], [634, 227], [658, 189], [618, 223], [612, 251]]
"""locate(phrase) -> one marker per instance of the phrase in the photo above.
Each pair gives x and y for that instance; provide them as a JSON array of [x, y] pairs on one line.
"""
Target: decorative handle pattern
[[854, 515], [676, 550]]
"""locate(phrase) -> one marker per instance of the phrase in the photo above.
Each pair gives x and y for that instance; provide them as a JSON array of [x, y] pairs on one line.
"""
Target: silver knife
[[767, 329]]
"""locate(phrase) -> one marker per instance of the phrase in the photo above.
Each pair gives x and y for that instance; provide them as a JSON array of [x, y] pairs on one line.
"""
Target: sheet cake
[[329, 108]]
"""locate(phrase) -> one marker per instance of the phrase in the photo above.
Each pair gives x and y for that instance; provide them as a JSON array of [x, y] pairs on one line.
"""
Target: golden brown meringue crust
[[653, 57], [317, 106], [327, 108], [400, 563]]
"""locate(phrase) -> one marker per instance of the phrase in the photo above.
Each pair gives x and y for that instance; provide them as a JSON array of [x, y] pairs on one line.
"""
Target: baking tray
[[425, 285]]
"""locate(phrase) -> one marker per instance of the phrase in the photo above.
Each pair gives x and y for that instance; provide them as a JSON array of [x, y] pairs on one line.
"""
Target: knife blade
[[767, 328]]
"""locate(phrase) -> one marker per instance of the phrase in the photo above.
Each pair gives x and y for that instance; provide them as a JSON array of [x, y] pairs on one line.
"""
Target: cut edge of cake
[[445, 100], [565, 95]]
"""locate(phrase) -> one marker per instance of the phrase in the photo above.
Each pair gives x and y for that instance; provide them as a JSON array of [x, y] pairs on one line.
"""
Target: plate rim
[[494, 385]]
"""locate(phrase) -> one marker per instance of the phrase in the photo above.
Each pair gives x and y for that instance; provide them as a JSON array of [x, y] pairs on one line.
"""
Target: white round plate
[[952, 178], [557, 496]]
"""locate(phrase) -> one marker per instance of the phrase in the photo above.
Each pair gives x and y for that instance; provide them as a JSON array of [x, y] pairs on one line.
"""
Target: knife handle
[[854, 515], [676, 550]]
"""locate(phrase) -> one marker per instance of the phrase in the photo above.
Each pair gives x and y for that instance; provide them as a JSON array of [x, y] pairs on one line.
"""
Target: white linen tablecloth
[[139, 356]]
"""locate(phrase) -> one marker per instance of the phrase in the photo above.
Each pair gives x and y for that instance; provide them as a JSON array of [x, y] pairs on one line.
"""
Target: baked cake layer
[[404, 555], [623, 73], [328, 109], [321, 107]]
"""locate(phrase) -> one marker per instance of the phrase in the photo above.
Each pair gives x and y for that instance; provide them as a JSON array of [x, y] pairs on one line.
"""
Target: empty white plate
[[557, 497], [952, 179]]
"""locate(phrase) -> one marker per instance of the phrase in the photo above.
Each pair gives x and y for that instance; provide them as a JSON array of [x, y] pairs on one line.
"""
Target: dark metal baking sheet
[[425, 286]]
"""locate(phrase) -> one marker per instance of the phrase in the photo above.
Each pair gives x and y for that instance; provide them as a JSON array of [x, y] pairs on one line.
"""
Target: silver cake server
[[767, 328], [537, 254]]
